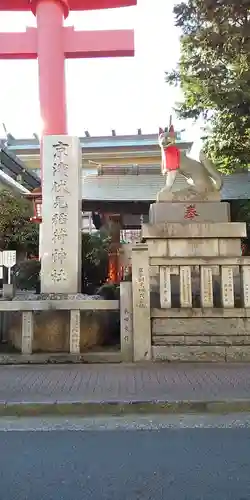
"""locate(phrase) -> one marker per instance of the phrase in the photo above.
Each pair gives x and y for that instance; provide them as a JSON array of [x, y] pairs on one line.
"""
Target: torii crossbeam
[[51, 42]]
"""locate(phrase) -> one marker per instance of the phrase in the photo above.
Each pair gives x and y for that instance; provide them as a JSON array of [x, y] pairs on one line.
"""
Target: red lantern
[[36, 197]]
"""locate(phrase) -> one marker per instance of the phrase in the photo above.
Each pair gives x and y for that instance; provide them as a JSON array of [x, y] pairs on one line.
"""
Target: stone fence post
[[126, 315], [141, 303], [27, 332]]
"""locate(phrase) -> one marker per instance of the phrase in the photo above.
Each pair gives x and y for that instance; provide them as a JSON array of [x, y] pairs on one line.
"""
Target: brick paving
[[124, 383]]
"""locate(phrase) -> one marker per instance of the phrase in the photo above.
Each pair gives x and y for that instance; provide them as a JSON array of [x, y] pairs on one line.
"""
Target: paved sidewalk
[[124, 383]]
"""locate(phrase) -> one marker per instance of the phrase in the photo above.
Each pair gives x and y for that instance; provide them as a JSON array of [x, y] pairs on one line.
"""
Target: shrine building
[[121, 174]]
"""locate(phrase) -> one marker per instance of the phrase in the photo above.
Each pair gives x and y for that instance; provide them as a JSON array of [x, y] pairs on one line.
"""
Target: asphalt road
[[172, 458]]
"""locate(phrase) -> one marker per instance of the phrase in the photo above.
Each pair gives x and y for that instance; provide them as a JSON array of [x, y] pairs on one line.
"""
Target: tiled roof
[[105, 142], [8, 182], [144, 187]]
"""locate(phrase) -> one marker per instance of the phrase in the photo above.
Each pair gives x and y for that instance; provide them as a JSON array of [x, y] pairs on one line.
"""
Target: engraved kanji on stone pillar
[[165, 287], [126, 315], [141, 304], [27, 332], [206, 275], [227, 286], [62, 215], [245, 276], [75, 331], [185, 286]]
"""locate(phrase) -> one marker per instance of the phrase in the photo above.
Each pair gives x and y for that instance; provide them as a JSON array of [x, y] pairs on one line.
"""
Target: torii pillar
[[51, 43]]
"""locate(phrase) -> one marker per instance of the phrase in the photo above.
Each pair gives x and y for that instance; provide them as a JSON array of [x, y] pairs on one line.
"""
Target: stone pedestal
[[184, 240], [192, 229], [61, 215], [199, 285]]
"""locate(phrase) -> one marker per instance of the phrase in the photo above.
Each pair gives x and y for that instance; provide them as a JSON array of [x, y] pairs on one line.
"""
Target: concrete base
[[205, 211], [102, 356]]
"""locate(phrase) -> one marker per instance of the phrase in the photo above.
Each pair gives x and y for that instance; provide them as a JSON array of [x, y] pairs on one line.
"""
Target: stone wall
[[51, 330], [201, 339], [191, 292]]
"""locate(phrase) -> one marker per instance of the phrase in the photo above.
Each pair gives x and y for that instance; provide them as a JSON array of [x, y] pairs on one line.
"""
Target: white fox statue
[[204, 180]]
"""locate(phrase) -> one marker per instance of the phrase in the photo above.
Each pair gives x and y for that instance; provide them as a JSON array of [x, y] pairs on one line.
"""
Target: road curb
[[117, 408]]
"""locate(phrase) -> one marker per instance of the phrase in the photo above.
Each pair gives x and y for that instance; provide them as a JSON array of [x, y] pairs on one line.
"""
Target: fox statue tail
[[213, 173]]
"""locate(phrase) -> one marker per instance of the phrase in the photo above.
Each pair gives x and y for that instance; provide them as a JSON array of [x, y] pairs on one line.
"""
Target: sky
[[102, 94]]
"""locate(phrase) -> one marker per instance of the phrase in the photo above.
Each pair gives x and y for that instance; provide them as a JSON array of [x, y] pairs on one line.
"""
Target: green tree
[[95, 248], [16, 230], [94, 265], [214, 75]]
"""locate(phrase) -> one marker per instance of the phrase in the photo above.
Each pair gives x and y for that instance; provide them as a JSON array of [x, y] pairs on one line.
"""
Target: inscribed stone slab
[[189, 212], [61, 213]]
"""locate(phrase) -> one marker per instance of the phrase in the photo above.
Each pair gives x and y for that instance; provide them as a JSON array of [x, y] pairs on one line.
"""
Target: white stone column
[[141, 304], [245, 276], [27, 332], [61, 215], [75, 331], [185, 286], [227, 286], [126, 316], [206, 289], [165, 287]]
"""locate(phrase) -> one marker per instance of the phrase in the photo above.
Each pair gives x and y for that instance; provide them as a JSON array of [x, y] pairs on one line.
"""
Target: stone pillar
[[185, 286], [141, 304], [206, 288], [61, 225], [227, 287], [50, 49], [126, 315], [75, 331], [27, 332], [165, 287], [245, 276]]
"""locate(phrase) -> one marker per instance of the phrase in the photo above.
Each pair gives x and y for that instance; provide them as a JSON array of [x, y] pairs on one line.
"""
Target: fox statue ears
[[163, 131], [170, 131]]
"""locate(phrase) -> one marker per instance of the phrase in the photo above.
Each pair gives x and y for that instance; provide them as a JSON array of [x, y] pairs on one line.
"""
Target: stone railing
[[231, 275], [190, 309], [28, 308]]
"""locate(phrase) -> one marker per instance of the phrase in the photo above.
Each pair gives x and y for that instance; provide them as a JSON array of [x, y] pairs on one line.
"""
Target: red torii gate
[[51, 43]]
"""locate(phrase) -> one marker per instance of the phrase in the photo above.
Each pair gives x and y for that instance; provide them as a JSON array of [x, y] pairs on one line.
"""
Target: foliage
[[214, 75], [94, 266], [95, 248], [26, 275], [240, 211], [16, 230], [109, 291]]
